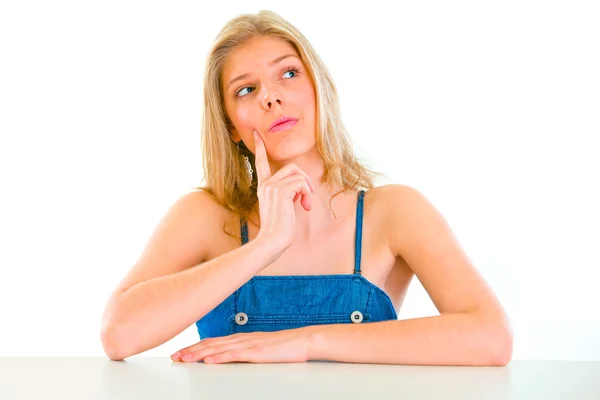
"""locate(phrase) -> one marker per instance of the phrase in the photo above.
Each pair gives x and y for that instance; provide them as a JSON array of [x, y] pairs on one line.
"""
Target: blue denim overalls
[[272, 303]]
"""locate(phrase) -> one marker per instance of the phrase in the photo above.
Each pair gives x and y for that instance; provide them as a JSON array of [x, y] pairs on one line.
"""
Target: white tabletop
[[149, 378]]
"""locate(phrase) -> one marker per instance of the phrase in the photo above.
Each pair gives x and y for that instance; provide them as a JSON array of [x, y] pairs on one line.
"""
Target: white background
[[491, 109]]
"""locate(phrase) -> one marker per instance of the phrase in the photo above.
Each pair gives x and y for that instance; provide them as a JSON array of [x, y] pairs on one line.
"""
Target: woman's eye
[[240, 94], [241, 90]]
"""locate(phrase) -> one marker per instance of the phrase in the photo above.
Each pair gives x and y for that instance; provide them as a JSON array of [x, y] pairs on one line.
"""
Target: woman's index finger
[[263, 170]]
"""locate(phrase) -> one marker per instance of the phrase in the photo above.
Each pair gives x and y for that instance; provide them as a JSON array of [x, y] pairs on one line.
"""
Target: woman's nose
[[270, 98]]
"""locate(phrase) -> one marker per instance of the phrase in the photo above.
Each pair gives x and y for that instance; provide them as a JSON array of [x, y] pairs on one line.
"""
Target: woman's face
[[274, 83]]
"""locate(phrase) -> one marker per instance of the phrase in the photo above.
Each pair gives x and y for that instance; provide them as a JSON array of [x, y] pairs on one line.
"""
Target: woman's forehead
[[257, 53]]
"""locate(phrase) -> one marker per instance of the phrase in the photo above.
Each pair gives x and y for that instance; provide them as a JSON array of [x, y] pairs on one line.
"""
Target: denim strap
[[358, 234]]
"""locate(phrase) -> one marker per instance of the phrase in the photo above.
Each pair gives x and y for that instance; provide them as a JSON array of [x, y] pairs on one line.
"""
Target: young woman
[[289, 252]]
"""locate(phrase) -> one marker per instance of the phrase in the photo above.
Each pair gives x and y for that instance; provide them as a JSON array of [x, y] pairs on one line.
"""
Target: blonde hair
[[225, 171]]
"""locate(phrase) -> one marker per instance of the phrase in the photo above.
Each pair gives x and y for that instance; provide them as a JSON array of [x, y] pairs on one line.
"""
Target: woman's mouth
[[283, 126]]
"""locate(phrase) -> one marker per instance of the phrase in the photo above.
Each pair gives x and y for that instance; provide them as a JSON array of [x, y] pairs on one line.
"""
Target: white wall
[[491, 109]]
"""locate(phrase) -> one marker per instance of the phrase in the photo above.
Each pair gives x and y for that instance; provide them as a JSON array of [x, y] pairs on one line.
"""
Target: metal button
[[241, 318], [356, 317]]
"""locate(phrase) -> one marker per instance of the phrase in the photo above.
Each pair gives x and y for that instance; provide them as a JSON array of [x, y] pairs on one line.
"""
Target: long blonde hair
[[225, 171]]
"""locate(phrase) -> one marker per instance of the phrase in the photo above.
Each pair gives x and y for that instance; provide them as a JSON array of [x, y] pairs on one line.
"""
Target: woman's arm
[[473, 328], [470, 338], [170, 288], [154, 311]]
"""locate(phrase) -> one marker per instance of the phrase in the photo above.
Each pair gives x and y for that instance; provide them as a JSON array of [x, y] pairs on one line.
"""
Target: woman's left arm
[[472, 328]]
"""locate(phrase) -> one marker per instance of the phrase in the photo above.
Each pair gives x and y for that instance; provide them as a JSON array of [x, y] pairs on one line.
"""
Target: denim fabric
[[272, 303]]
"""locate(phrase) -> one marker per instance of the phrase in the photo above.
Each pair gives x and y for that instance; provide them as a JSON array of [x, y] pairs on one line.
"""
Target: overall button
[[241, 318], [356, 317]]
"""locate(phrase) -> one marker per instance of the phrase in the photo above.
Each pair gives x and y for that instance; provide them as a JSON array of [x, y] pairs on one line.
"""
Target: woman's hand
[[277, 194], [285, 346]]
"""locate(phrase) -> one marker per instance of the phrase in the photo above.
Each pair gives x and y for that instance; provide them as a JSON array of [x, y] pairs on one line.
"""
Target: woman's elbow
[[112, 346]]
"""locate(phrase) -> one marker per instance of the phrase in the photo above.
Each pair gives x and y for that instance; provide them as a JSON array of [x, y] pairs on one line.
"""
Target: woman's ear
[[235, 135]]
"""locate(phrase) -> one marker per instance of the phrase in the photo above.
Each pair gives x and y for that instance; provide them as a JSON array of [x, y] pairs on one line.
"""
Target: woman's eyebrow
[[275, 61]]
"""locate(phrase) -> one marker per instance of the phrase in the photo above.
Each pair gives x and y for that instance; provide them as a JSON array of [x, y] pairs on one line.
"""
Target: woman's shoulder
[[211, 220], [200, 200], [391, 195], [390, 204], [201, 208]]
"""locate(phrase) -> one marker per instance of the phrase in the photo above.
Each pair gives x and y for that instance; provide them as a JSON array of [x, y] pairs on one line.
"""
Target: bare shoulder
[[195, 220], [398, 196], [182, 239], [405, 211], [391, 197]]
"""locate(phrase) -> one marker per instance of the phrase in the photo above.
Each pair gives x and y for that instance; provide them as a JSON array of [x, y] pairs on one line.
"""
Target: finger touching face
[[263, 170]]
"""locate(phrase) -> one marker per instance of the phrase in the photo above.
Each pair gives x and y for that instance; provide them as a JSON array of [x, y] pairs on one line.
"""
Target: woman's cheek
[[244, 117], [306, 96]]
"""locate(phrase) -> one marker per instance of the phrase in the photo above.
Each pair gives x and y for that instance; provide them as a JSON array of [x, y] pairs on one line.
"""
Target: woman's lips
[[283, 126]]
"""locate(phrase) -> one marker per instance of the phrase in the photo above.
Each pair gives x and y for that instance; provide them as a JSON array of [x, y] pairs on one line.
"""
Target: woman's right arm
[[156, 308], [161, 296]]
